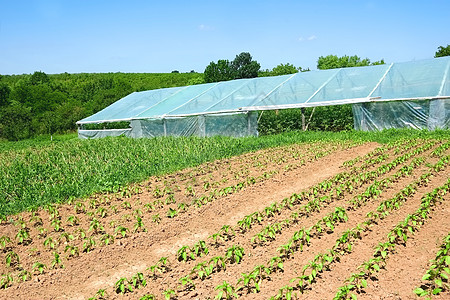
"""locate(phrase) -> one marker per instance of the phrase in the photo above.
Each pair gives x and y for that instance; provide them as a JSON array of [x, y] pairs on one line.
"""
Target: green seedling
[[6, 281], [23, 236], [12, 259], [88, 244], [169, 294], [139, 225], [24, 275], [73, 250], [73, 220], [56, 262], [226, 291], [121, 230], [234, 254], [4, 241], [187, 284], [40, 267], [50, 243]]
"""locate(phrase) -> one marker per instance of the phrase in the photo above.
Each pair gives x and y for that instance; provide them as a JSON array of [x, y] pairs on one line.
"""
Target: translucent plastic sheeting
[[408, 81], [421, 114], [94, 134], [227, 124]]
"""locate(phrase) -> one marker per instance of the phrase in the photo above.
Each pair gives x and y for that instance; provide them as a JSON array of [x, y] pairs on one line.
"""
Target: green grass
[[40, 171]]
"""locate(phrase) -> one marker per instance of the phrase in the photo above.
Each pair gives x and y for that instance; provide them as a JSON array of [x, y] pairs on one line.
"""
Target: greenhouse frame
[[412, 94]]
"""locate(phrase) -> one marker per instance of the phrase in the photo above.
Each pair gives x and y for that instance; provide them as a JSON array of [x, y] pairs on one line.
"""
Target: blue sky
[[161, 36]]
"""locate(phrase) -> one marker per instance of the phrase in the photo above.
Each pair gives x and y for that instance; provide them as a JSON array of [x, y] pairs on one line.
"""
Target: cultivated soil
[[124, 233]]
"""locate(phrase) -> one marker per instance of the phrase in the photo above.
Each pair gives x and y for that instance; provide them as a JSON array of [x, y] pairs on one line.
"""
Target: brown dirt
[[278, 173]]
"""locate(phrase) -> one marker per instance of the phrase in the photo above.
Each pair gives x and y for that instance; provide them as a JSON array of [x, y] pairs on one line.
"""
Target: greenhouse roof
[[415, 80]]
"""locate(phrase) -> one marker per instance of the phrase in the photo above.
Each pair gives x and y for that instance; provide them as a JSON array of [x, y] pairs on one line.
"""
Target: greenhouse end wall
[[419, 114], [239, 124]]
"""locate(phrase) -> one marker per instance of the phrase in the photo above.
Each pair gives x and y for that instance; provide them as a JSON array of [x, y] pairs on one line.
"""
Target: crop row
[[83, 241], [99, 232], [227, 234], [436, 278], [344, 244], [397, 236]]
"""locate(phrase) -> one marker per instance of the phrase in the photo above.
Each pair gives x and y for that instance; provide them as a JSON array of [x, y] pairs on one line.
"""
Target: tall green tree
[[334, 62], [5, 90], [39, 77], [442, 51], [243, 66], [15, 122], [220, 71]]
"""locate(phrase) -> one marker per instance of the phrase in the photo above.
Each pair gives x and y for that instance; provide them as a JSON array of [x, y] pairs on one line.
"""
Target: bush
[[329, 118]]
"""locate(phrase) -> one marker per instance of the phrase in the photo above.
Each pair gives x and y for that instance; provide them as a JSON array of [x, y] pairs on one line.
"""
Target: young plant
[[156, 218], [12, 259], [50, 243], [200, 249], [121, 230], [56, 262], [23, 236], [276, 264], [234, 254], [187, 284], [66, 237], [100, 295], [249, 283], [138, 281], [73, 220], [4, 241], [226, 291], [169, 294], [24, 275], [56, 223], [96, 227], [286, 292], [73, 250], [88, 244], [182, 254], [121, 286], [139, 225], [107, 239], [171, 213], [218, 263], [5, 281], [40, 267]]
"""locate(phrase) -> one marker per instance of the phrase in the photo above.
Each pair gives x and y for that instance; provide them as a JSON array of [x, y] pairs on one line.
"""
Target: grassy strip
[[42, 172]]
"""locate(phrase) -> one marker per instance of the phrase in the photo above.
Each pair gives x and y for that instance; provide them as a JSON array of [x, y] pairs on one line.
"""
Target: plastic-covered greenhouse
[[411, 94]]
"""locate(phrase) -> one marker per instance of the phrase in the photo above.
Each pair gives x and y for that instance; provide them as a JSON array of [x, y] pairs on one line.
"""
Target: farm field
[[313, 220]]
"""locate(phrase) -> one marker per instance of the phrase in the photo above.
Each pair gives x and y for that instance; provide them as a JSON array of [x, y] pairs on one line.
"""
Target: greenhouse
[[410, 94]]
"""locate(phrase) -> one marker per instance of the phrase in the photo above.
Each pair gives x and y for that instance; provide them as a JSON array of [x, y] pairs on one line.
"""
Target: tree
[[15, 122], [241, 67], [4, 94], [286, 69], [442, 51], [333, 62], [39, 77], [220, 71], [244, 66]]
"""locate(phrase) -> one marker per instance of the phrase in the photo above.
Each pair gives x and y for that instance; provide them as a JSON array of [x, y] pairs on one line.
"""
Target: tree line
[[40, 103], [45, 104]]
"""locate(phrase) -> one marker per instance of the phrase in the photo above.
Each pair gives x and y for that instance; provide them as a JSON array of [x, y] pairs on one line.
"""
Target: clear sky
[[77, 36]]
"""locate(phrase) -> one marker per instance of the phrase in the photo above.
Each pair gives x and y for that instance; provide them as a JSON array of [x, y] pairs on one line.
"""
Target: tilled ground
[[107, 242]]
